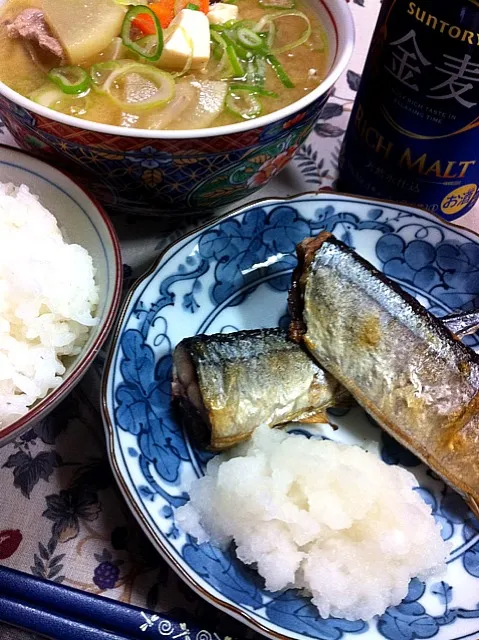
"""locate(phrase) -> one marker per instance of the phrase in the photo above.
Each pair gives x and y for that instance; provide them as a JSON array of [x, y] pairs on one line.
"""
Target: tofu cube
[[189, 30], [222, 12]]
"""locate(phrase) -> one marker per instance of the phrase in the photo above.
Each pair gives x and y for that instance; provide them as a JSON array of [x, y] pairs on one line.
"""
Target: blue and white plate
[[234, 274]]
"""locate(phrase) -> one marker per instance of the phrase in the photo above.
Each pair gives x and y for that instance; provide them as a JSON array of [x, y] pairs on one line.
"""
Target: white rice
[[328, 518], [47, 299]]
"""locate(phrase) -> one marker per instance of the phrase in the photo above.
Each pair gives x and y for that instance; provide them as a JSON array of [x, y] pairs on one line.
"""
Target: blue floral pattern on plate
[[234, 274]]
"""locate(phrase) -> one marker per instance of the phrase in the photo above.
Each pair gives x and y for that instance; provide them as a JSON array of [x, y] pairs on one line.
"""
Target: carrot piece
[[145, 24], [165, 12]]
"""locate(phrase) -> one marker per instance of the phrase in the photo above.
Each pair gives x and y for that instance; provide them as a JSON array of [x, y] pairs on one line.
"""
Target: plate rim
[[234, 610]]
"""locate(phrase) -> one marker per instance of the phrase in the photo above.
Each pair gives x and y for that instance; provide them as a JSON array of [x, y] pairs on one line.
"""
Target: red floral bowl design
[[166, 173]]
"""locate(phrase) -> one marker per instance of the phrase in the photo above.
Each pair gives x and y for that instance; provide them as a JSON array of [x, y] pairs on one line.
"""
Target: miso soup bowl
[[164, 173]]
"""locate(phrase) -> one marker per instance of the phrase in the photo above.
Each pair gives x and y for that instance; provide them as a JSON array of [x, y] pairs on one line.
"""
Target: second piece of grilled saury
[[226, 385], [407, 370]]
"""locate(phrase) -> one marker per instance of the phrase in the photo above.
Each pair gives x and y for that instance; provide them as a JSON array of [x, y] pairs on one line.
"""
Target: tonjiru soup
[[165, 64]]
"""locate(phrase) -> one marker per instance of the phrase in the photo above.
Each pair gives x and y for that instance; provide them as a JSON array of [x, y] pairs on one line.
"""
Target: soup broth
[[262, 60]]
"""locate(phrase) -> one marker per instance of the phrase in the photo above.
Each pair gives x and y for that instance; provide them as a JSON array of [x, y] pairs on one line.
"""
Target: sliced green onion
[[101, 71], [249, 39], [217, 39], [236, 24], [51, 96], [149, 86], [250, 75], [70, 79], [230, 24], [269, 20], [243, 104], [47, 95], [278, 4], [269, 35], [265, 21], [253, 90], [115, 50], [280, 72], [239, 49], [192, 6], [304, 37], [255, 71], [223, 63], [216, 51], [143, 49], [260, 71], [139, 81], [148, 45], [223, 69], [232, 53], [235, 62]]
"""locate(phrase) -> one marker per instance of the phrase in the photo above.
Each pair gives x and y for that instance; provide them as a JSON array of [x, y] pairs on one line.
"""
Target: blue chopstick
[[53, 626], [63, 613]]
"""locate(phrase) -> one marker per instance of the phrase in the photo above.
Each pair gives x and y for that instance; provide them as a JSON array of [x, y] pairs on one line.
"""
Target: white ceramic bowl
[[83, 222]]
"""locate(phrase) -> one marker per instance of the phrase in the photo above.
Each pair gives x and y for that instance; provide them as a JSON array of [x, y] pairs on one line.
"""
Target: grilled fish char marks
[[228, 384], [412, 376]]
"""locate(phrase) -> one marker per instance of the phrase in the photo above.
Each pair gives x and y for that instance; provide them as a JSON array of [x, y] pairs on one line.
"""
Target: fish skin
[[406, 369], [462, 324], [227, 368]]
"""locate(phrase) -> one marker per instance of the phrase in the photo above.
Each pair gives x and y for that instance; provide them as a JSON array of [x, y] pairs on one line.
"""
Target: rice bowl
[[83, 223], [48, 298]]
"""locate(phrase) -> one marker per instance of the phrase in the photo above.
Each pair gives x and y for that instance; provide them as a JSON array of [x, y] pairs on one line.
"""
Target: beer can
[[413, 136]]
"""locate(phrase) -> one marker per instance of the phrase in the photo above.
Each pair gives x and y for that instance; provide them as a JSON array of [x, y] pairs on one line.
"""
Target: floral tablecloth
[[62, 516]]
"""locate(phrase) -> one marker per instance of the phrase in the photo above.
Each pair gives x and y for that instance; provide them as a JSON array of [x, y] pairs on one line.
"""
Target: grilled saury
[[228, 384], [400, 363]]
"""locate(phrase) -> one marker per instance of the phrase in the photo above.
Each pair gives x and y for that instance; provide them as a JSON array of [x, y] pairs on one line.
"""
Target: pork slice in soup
[[168, 64]]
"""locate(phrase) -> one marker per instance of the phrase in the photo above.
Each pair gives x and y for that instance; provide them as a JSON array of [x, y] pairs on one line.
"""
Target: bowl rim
[[344, 50], [47, 403]]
